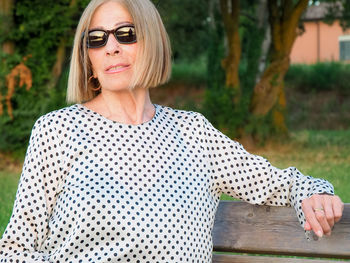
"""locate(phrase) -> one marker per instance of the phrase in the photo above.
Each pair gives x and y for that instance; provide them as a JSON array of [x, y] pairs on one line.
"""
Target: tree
[[62, 48], [260, 36], [230, 12], [41, 35], [269, 96], [187, 25], [336, 9], [268, 41]]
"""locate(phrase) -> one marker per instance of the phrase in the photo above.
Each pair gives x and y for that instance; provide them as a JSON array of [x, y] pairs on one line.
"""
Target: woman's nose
[[112, 46]]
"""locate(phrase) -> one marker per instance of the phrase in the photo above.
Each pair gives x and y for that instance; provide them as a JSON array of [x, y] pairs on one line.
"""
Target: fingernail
[[319, 233]]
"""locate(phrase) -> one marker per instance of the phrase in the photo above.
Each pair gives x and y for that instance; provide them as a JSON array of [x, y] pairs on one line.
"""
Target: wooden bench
[[243, 228]]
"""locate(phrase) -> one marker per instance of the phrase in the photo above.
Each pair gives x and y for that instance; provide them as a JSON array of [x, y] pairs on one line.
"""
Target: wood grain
[[241, 227]]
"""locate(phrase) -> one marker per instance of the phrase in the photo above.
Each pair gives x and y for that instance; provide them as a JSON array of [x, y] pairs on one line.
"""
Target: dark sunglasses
[[98, 38]]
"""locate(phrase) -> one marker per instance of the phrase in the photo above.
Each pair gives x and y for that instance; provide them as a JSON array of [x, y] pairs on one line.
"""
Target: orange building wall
[[319, 43]]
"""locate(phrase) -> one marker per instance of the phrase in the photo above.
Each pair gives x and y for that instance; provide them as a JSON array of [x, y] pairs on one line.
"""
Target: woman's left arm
[[252, 178]]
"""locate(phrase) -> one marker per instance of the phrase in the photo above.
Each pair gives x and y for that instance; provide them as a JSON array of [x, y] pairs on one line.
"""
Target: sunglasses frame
[[108, 32]]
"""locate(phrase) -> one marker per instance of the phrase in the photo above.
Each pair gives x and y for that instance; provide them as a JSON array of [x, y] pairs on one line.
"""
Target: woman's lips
[[117, 68]]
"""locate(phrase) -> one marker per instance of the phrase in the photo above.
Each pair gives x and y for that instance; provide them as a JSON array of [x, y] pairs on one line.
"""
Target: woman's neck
[[126, 106]]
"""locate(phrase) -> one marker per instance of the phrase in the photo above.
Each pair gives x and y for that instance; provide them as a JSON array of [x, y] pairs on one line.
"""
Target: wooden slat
[[241, 227], [262, 259]]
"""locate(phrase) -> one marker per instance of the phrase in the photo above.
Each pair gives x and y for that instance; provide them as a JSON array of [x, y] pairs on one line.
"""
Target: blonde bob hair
[[153, 59]]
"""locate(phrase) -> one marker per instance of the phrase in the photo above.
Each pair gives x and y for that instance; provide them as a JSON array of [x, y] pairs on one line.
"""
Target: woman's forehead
[[109, 15]]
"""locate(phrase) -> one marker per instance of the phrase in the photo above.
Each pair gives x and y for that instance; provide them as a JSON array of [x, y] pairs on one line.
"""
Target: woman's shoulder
[[181, 115], [57, 116]]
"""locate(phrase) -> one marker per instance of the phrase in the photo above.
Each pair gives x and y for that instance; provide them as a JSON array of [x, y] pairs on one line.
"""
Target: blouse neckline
[[105, 119]]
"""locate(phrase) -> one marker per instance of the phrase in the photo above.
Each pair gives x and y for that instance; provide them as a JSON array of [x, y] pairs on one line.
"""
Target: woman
[[119, 179]]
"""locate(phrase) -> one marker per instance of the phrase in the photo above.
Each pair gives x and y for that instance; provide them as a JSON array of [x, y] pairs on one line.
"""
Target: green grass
[[322, 138], [8, 186], [321, 154]]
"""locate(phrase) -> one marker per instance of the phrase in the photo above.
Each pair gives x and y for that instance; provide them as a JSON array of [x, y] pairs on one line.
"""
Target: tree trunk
[[60, 53], [269, 93], [211, 13], [262, 15], [6, 7], [57, 67], [230, 12], [8, 47]]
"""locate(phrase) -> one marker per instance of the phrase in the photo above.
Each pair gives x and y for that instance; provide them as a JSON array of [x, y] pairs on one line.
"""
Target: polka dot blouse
[[95, 190]]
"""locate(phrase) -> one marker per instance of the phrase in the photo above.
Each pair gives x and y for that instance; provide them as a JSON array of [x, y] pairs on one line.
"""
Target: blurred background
[[273, 75]]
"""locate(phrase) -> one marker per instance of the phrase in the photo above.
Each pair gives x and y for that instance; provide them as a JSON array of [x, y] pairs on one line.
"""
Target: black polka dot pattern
[[94, 190]]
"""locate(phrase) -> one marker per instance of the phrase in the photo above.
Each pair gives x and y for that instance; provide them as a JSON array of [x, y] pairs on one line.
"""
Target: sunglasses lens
[[96, 38], [126, 35]]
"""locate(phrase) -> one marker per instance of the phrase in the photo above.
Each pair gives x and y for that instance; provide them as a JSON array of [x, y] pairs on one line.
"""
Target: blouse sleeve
[[35, 198], [252, 178]]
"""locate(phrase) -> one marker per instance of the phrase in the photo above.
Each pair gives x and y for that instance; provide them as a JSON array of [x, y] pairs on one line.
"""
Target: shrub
[[38, 36], [190, 72], [331, 76]]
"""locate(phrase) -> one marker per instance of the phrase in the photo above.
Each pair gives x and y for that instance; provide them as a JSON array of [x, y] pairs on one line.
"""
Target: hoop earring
[[94, 79]]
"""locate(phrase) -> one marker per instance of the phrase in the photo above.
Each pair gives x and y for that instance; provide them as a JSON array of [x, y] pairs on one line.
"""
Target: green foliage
[[190, 72], [15, 133], [28, 106], [260, 128], [40, 35], [252, 37], [38, 32], [332, 76], [336, 10], [218, 106], [187, 25], [221, 106]]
